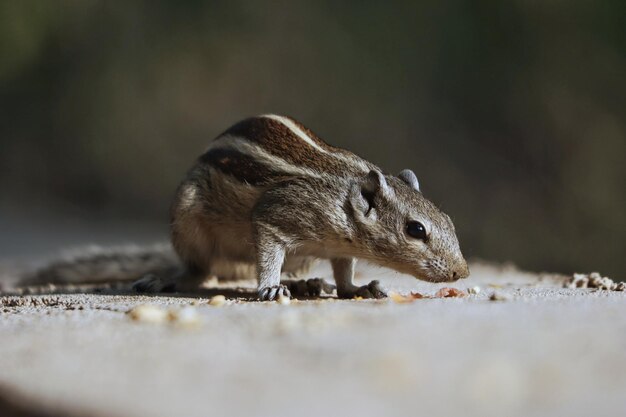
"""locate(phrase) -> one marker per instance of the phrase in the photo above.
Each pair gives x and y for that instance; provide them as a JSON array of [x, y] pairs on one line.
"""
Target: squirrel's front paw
[[273, 293], [371, 290]]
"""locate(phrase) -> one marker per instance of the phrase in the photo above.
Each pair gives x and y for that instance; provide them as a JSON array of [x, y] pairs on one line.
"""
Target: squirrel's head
[[397, 227]]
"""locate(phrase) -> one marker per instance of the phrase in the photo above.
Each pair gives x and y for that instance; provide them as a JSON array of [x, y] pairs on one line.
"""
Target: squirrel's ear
[[409, 177], [363, 193], [374, 183]]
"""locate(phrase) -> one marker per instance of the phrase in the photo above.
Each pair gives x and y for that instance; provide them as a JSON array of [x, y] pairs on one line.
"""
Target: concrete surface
[[543, 351]]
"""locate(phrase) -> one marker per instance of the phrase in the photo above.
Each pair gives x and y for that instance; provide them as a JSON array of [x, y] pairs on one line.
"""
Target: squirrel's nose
[[462, 271]]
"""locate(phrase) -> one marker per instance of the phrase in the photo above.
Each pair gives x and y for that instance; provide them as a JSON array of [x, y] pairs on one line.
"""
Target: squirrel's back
[[265, 149]]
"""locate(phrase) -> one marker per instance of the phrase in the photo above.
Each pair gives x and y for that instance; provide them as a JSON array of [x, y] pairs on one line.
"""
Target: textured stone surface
[[542, 350]]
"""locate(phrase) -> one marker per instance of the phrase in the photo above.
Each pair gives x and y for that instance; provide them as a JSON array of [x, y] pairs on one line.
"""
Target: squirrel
[[268, 197]]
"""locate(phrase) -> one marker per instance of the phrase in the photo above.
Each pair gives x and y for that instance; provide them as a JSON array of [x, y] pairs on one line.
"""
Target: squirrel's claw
[[273, 293]]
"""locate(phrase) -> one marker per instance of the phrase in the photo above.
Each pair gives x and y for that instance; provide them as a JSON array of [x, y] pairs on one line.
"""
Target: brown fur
[[279, 140]]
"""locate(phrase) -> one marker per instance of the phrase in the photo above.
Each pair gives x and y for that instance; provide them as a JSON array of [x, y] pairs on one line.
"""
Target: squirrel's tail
[[94, 265]]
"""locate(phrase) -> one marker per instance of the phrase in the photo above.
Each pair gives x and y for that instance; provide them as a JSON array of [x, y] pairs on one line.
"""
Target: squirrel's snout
[[465, 272], [462, 271]]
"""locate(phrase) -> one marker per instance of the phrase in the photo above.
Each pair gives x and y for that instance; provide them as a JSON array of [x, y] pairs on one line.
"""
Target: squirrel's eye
[[416, 230]]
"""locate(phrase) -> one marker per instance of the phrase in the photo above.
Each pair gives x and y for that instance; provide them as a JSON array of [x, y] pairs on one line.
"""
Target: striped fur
[[265, 149]]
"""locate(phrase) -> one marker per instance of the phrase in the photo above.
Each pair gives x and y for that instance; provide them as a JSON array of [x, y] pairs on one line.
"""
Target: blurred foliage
[[513, 113]]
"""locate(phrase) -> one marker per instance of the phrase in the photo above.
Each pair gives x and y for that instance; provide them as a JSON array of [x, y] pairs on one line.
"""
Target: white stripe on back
[[243, 145], [295, 129], [300, 133]]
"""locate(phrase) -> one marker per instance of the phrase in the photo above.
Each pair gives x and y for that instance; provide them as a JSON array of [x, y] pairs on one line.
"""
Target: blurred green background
[[512, 113]]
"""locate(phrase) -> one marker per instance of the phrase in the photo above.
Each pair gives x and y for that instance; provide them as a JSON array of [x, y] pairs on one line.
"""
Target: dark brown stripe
[[240, 166], [277, 139], [317, 139]]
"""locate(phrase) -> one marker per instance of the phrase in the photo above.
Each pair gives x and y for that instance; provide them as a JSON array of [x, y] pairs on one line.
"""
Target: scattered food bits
[[447, 292], [597, 281], [593, 280], [186, 316], [148, 313], [473, 290], [606, 284], [282, 300], [402, 299], [498, 296], [399, 298], [217, 301], [578, 281]]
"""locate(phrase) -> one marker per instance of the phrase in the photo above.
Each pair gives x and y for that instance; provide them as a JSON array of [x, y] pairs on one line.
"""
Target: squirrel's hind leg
[[312, 287], [154, 283], [296, 266], [343, 270], [187, 279]]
